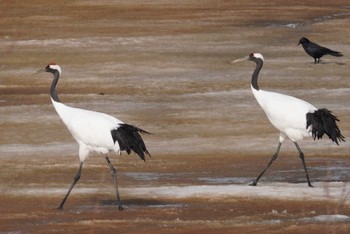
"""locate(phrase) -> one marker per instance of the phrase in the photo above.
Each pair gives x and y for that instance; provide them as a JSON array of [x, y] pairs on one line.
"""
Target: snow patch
[[330, 218], [321, 191], [331, 191]]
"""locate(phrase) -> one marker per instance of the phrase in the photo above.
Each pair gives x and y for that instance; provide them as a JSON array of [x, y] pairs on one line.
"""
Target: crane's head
[[252, 57], [303, 41], [52, 68]]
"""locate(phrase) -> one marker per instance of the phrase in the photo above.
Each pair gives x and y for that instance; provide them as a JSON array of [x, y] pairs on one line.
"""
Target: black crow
[[316, 51]]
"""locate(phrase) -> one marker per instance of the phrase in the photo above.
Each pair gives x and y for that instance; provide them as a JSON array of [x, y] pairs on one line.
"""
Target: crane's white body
[[95, 131], [286, 113], [92, 130], [293, 117]]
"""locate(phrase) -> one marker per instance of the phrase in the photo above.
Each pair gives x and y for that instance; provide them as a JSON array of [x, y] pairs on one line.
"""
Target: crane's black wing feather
[[323, 122], [129, 139]]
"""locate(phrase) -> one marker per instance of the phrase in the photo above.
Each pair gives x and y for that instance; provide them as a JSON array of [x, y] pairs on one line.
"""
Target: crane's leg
[[114, 175], [274, 157], [301, 155], [76, 178]]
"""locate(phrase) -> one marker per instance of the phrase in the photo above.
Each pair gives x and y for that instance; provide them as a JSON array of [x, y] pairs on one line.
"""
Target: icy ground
[[335, 191]]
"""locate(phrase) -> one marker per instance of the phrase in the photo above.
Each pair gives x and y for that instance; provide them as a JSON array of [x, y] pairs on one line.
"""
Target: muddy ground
[[165, 66]]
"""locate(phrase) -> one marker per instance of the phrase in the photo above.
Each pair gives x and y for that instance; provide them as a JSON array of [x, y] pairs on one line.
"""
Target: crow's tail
[[334, 53]]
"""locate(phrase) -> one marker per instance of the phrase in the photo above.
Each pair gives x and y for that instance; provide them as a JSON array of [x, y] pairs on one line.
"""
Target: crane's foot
[[254, 183], [120, 207], [310, 185]]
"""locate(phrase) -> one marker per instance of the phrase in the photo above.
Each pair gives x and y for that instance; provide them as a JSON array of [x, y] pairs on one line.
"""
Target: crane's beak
[[37, 72], [40, 71], [240, 59]]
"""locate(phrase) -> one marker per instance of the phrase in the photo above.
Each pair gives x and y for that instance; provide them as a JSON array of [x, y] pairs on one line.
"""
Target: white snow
[[330, 218], [330, 191], [286, 191]]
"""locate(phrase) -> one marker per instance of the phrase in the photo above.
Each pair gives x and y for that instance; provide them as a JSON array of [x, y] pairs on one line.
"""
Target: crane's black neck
[[53, 91], [259, 64]]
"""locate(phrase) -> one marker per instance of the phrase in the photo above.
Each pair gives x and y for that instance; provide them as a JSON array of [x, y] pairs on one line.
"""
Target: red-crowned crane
[[293, 117], [95, 131]]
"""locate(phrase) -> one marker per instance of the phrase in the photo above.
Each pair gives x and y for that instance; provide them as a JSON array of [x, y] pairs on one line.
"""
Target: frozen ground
[[323, 191], [165, 67]]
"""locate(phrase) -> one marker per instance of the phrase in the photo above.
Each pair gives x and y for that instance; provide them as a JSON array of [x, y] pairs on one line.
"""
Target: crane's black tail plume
[[129, 139], [323, 122]]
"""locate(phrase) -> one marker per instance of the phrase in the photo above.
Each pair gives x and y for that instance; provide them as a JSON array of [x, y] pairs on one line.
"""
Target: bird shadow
[[336, 63], [128, 204], [140, 203]]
